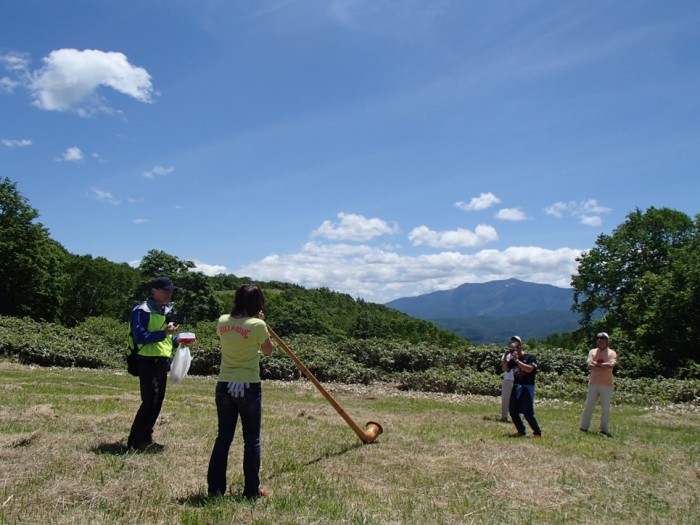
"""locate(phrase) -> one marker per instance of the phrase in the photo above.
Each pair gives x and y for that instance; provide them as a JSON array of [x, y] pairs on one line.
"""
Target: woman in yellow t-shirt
[[243, 335]]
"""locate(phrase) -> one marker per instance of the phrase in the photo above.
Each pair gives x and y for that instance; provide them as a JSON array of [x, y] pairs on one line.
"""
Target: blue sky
[[375, 147]]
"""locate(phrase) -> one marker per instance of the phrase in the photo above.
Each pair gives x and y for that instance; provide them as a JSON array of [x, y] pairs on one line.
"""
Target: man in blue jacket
[[152, 330]]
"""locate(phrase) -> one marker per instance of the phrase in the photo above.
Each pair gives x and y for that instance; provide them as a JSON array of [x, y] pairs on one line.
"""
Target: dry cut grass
[[442, 459]]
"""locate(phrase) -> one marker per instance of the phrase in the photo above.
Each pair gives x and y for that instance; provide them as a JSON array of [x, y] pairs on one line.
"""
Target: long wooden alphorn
[[373, 428]]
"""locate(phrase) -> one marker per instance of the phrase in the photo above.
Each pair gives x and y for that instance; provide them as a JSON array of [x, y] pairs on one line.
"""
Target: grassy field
[[442, 459]]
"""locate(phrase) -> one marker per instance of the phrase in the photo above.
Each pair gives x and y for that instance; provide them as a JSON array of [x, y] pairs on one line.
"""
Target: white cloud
[[354, 228], [588, 212], [104, 196], [511, 214], [140, 221], [482, 202], [208, 269], [16, 143], [70, 79], [591, 220], [72, 154], [459, 238], [592, 206], [16, 64], [7, 85], [381, 276], [157, 170], [558, 209]]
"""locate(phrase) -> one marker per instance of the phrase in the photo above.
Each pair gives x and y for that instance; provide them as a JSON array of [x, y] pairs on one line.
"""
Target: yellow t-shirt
[[240, 348]]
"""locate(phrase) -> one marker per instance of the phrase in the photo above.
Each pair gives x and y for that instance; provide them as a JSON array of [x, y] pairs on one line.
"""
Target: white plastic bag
[[181, 364]]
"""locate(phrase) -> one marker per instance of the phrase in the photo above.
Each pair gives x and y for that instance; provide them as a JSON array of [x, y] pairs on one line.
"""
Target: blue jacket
[[140, 320]]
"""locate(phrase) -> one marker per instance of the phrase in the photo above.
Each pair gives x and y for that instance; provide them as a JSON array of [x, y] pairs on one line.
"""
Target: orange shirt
[[602, 375]]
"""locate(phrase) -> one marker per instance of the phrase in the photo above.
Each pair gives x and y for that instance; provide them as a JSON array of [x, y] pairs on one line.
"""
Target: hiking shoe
[[583, 429], [537, 436], [261, 494], [504, 420], [606, 434], [150, 448], [517, 434]]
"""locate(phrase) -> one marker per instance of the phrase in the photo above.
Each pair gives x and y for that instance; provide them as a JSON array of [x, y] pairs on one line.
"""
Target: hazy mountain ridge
[[492, 311]]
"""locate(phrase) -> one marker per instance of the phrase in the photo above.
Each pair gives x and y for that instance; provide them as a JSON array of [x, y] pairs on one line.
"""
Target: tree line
[[641, 284], [41, 280]]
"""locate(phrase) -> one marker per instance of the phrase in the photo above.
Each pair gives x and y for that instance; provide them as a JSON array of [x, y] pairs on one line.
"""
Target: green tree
[[294, 312], [644, 279], [194, 298], [156, 263], [31, 263], [367, 326], [611, 272], [97, 287], [664, 313], [228, 282]]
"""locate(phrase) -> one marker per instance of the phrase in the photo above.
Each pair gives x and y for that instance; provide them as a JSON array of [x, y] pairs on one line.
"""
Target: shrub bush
[[101, 342], [646, 390], [206, 353], [451, 380], [394, 355], [321, 357], [48, 344]]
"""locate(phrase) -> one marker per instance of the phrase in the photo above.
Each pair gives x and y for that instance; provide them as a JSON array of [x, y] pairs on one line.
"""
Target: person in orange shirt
[[601, 362]]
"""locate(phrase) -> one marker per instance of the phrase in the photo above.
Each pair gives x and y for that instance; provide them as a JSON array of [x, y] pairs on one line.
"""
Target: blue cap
[[163, 283]]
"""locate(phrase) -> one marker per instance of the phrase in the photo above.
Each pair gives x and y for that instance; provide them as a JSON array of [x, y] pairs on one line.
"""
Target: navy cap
[[163, 283]]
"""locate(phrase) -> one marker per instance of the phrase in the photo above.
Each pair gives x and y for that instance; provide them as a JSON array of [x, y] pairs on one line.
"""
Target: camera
[[510, 355]]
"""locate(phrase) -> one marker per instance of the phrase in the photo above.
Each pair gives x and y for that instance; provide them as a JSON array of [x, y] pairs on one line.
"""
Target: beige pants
[[605, 394], [505, 397]]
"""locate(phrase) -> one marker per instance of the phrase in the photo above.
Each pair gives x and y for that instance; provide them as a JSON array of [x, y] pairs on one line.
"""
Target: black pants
[[153, 377], [522, 401], [229, 409]]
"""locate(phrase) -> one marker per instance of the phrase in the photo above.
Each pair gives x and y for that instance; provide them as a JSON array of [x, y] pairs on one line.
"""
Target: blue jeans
[[153, 378], [522, 401], [228, 409]]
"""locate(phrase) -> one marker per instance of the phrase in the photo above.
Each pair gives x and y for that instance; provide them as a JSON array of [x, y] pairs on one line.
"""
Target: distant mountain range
[[491, 312]]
